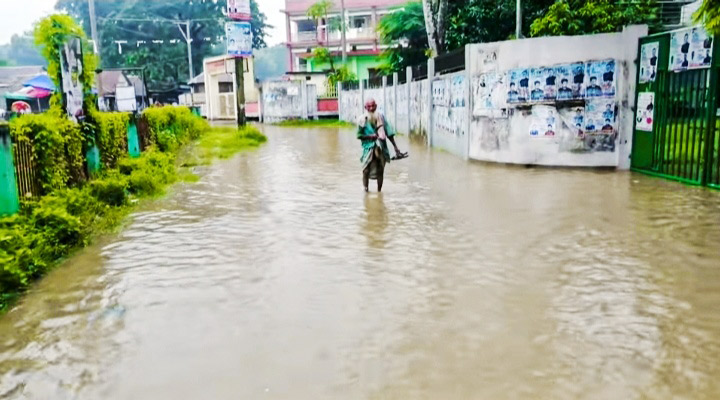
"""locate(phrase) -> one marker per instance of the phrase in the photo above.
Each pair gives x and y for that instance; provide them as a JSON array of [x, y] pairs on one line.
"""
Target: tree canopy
[[580, 17], [709, 15], [140, 22], [404, 31]]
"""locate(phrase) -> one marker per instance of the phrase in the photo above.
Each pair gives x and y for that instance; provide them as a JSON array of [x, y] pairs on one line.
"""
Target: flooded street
[[276, 277]]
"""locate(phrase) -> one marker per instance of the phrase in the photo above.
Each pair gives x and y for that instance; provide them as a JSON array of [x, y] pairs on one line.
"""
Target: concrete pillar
[[468, 98], [339, 100], [304, 100], [429, 99], [408, 74], [395, 100], [384, 96]]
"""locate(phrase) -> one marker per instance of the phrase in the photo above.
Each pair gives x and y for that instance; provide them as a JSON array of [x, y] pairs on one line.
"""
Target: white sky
[[20, 16]]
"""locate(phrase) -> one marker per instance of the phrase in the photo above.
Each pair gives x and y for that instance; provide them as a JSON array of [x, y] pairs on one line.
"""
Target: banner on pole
[[239, 39], [239, 10], [71, 68]]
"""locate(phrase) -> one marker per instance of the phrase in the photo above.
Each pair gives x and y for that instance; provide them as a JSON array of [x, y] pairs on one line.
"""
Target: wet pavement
[[276, 277]]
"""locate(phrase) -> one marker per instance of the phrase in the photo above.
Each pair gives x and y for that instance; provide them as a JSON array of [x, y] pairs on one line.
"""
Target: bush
[[111, 191], [57, 148], [111, 136], [171, 127]]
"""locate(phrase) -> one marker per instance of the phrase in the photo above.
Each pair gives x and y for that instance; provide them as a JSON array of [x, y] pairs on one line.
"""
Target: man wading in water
[[373, 132]]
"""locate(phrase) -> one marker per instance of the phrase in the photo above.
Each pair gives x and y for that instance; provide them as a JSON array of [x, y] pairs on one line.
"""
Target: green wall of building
[[357, 64]]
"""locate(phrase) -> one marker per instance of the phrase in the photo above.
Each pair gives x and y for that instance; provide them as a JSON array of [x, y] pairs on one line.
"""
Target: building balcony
[[353, 35]]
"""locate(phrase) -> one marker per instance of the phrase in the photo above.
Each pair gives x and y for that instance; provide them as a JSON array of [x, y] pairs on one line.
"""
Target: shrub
[[173, 126], [111, 135], [111, 191]]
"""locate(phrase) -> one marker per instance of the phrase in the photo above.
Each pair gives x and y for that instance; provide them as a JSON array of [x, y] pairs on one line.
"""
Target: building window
[[225, 87], [200, 88], [359, 22]]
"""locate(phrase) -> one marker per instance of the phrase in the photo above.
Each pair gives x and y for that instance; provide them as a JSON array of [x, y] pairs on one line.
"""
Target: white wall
[[502, 134]]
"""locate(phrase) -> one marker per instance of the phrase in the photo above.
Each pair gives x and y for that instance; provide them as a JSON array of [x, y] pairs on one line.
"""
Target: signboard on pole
[[239, 10], [71, 68], [239, 39]]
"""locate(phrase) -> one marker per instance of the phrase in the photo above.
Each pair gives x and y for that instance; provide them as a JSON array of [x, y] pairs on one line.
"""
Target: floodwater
[[276, 277]]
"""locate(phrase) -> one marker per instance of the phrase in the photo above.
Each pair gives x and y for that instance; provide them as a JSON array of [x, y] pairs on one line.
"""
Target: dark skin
[[372, 107]]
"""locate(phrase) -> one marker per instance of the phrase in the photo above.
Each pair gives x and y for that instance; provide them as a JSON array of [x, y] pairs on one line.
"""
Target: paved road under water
[[276, 277]]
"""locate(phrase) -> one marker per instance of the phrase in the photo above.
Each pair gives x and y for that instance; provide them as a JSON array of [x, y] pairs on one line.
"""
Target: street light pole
[[342, 31], [518, 20], [186, 35]]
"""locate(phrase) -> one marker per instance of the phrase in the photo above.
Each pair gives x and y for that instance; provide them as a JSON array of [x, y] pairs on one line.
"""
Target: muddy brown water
[[276, 277]]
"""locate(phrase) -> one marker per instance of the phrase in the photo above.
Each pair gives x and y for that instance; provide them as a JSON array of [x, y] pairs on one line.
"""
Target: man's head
[[512, 85], [687, 37], [654, 51], [537, 84], [564, 82], [578, 111], [370, 105], [607, 121], [608, 107], [593, 80]]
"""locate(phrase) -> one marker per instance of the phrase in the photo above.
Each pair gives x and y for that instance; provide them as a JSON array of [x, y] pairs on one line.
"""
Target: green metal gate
[[682, 143]]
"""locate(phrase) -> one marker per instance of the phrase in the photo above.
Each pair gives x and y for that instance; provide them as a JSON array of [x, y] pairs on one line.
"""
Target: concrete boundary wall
[[475, 113]]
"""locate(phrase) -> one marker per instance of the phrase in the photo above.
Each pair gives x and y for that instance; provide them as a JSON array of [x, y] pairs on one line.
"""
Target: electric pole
[[188, 39], [518, 20], [342, 31], [96, 40], [240, 90]]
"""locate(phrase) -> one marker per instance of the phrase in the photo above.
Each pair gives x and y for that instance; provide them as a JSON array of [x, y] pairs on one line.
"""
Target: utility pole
[[240, 91], [518, 20], [342, 31], [96, 40], [188, 39]]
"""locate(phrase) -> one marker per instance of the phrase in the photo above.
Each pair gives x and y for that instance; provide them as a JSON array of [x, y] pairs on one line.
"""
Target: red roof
[[301, 6]]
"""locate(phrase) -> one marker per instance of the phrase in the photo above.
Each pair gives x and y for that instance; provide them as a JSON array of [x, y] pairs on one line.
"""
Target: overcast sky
[[20, 16]]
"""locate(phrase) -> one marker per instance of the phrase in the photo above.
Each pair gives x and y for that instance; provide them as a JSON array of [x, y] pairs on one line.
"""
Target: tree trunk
[[440, 24], [430, 26]]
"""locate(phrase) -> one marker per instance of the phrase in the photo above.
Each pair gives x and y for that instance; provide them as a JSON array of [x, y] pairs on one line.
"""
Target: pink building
[[363, 46]]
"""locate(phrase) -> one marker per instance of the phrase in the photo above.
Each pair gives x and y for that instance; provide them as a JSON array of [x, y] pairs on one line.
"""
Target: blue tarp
[[41, 82]]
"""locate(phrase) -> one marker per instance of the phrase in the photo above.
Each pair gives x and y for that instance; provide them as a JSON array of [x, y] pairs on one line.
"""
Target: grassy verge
[[322, 123], [50, 229]]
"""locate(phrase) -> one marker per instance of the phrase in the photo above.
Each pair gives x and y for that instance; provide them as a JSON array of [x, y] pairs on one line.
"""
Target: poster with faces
[[689, 49], [649, 53], [645, 108], [600, 79], [239, 39]]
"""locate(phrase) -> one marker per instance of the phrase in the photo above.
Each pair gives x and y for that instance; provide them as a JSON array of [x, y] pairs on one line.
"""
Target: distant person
[[564, 92], [550, 77], [537, 93], [594, 90], [609, 74], [653, 58], [578, 118], [373, 132], [607, 128], [513, 93], [609, 113], [707, 43], [685, 48], [549, 131]]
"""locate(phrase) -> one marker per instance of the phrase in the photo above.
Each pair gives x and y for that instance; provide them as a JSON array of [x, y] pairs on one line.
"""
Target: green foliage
[[578, 17], [57, 148], [481, 21], [225, 142], [171, 127], [709, 15], [166, 65], [341, 75], [110, 135], [320, 9], [404, 31], [319, 123], [110, 191], [51, 33], [21, 51]]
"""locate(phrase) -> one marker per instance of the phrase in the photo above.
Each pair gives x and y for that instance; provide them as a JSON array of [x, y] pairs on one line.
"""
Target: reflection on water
[[277, 277]]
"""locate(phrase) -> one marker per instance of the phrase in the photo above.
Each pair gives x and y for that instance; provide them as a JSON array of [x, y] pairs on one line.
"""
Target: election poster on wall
[[239, 39], [574, 119], [600, 116], [537, 91], [649, 53], [645, 107], [239, 10], [550, 82], [489, 94], [689, 49], [600, 79], [518, 86], [71, 69], [544, 121]]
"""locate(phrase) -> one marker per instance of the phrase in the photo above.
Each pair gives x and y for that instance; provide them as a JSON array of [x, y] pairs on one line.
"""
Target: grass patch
[[223, 143], [48, 230], [322, 123]]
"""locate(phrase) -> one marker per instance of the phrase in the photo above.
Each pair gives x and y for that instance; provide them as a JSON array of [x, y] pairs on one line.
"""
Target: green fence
[[676, 133]]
